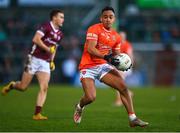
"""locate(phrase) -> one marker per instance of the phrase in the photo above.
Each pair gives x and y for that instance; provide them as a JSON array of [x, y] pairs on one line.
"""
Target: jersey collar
[[55, 30], [105, 29]]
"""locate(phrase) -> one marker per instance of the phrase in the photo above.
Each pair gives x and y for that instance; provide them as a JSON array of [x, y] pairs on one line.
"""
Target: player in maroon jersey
[[41, 60]]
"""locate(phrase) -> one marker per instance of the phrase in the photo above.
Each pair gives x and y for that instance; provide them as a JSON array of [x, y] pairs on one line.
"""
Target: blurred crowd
[[154, 29], [18, 27]]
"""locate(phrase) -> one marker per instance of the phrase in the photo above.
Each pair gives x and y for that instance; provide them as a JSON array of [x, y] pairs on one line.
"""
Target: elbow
[[34, 40], [90, 51]]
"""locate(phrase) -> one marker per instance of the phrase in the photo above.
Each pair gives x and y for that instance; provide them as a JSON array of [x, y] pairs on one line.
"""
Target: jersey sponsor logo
[[58, 38], [55, 35], [102, 34], [103, 46], [50, 41], [107, 36]]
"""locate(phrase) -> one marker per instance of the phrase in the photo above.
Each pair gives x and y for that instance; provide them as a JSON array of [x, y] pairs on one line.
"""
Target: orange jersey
[[107, 40], [126, 47]]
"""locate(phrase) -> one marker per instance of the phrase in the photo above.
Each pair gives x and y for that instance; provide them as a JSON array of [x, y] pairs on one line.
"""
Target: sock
[[132, 116], [37, 110], [79, 106]]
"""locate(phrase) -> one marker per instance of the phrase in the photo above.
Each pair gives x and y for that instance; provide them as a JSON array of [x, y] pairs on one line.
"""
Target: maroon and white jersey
[[51, 37]]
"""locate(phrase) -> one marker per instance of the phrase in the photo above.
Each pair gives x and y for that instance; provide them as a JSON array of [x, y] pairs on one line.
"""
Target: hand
[[52, 49], [109, 58], [52, 66]]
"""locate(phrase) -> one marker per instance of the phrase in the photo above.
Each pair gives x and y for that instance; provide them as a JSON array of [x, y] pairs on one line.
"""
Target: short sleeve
[[92, 33], [42, 29], [118, 43], [130, 49]]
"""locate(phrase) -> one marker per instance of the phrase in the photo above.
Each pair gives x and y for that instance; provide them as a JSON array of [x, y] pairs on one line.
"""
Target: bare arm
[[93, 50], [37, 40]]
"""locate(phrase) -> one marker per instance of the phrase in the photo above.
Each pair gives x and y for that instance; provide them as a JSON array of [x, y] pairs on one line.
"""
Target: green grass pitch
[[160, 107]]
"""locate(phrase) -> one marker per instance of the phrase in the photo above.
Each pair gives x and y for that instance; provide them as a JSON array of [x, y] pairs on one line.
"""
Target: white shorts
[[96, 72], [35, 65]]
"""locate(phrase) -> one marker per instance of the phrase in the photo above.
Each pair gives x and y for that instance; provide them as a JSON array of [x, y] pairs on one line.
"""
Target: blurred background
[[152, 26]]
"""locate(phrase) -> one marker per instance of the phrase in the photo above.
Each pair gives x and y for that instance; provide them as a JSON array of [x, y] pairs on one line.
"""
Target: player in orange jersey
[[97, 62], [127, 48]]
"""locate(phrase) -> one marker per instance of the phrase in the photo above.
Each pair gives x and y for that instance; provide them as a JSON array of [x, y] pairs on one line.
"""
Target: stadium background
[[149, 29], [152, 26]]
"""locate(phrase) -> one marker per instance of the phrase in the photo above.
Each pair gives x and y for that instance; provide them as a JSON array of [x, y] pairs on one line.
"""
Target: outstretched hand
[[109, 58], [52, 66], [52, 49]]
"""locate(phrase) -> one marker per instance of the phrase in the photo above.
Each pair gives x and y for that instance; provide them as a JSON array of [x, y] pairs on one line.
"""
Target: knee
[[122, 88], [91, 98], [44, 88]]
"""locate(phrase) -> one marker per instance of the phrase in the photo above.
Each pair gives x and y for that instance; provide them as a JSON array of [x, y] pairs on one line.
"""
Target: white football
[[125, 61]]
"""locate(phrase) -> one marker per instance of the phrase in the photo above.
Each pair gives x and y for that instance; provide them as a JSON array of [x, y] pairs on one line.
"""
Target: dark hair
[[54, 13], [107, 8]]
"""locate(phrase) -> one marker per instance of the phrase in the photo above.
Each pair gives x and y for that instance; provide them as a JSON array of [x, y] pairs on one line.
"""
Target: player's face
[[107, 18], [59, 19]]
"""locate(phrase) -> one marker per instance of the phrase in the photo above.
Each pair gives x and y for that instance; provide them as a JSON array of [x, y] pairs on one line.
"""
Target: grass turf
[[160, 107]]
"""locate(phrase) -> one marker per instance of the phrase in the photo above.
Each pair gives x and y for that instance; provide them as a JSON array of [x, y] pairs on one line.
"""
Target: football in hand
[[125, 62]]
